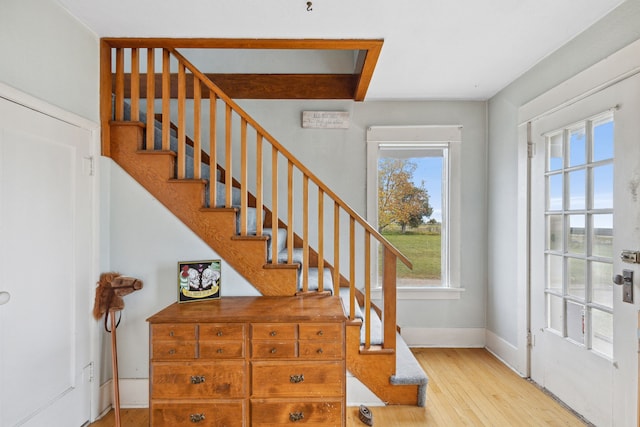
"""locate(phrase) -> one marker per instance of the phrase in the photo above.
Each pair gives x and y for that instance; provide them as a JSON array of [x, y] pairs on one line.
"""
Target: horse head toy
[[111, 288]]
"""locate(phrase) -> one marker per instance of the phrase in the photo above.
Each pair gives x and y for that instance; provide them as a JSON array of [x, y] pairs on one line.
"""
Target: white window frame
[[441, 137]]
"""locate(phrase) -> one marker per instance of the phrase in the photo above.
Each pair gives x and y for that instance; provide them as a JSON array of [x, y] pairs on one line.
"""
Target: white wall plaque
[[325, 119]]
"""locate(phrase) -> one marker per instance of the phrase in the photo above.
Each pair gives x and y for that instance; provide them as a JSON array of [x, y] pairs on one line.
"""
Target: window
[[410, 175], [579, 233]]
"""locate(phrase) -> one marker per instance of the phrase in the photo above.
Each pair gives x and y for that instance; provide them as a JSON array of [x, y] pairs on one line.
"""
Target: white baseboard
[[506, 352], [134, 393], [105, 398], [444, 337]]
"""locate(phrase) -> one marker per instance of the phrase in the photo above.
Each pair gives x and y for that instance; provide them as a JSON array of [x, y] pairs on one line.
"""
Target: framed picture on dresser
[[199, 280]]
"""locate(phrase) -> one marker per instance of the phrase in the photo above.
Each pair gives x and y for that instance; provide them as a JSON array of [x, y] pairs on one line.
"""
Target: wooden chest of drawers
[[248, 361]]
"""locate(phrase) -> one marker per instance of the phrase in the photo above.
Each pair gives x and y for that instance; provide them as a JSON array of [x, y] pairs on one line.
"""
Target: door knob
[[626, 280], [4, 297]]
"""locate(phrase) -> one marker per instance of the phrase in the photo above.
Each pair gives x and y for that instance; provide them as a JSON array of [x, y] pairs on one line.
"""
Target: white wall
[[338, 157], [48, 54], [613, 32]]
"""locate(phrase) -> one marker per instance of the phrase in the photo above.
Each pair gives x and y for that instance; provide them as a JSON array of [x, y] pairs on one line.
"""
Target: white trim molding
[[444, 337], [421, 293]]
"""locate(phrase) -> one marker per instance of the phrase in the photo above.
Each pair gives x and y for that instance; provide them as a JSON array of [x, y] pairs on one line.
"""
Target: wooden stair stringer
[[374, 369], [184, 198]]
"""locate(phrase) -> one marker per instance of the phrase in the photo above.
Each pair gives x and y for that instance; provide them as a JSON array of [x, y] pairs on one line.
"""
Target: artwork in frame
[[198, 280]]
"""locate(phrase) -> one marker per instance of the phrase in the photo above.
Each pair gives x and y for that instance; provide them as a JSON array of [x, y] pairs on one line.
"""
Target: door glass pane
[[575, 322], [554, 272], [603, 187], [554, 233], [601, 283], [602, 232], [576, 243], [577, 147], [603, 139], [602, 332], [554, 152], [555, 313], [577, 190], [554, 199], [576, 269]]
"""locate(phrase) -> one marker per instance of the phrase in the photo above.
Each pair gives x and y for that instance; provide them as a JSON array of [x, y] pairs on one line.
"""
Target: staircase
[[230, 193]]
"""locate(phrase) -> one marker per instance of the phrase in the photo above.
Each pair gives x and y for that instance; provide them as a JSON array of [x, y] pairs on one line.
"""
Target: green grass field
[[421, 247]]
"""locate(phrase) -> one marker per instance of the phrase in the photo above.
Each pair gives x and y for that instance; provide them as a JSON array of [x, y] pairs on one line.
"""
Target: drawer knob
[[320, 333], [273, 333], [197, 379], [196, 418], [219, 333], [295, 379], [320, 351], [296, 416], [274, 350], [172, 351], [171, 333], [220, 351]]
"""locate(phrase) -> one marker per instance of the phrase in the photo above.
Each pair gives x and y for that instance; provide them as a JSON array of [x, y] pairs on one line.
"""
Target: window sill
[[426, 293]]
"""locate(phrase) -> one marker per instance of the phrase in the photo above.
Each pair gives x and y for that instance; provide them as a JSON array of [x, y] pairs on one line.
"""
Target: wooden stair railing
[[227, 126]]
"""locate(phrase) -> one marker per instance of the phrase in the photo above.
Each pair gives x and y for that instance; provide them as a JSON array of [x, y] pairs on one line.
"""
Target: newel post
[[389, 299]]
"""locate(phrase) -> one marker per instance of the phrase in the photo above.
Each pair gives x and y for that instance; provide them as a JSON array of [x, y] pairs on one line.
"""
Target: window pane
[[410, 214], [554, 152], [601, 283], [575, 321], [603, 139], [602, 332], [554, 272], [577, 147], [576, 269], [603, 187], [577, 190], [576, 243], [554, 191], [554, 233], [602, 232], [555, 313]]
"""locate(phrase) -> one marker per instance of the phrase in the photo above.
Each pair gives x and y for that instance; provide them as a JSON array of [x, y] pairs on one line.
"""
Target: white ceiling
[[433, 49]]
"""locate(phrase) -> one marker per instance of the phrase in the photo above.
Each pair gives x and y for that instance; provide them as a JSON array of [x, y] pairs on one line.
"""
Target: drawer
[[221, 331], [212, 380], [320, 350], [297, 379], [167, 331], [273, 349], [204, 414], [169, 350], [274, 331], [221, 349], [325, 413], [321, 331]]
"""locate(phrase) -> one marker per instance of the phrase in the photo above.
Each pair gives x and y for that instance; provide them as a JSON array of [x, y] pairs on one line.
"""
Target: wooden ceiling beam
[[261, 86], [278, 86]]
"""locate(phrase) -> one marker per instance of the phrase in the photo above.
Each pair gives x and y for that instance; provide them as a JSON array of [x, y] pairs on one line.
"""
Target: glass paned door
[[579, 232]]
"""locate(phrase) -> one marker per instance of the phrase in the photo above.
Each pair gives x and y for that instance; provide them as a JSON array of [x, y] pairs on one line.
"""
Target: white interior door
[[46, 260], [584, 212]]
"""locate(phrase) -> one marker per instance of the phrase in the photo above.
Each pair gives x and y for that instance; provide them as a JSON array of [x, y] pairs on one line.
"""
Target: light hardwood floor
[[467, 387]]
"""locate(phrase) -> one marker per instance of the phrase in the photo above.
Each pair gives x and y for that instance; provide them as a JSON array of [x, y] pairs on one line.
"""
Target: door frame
[[23, 99], [614, 69]]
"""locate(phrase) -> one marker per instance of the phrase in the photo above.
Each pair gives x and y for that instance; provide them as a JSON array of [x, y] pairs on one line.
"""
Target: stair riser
[[184, 200]]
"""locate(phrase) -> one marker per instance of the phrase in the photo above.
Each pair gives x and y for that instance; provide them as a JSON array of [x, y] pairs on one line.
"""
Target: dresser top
[[254, 309]]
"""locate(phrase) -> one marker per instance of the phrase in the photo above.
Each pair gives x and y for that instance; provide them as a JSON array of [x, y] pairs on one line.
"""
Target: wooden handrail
[[282, 150]]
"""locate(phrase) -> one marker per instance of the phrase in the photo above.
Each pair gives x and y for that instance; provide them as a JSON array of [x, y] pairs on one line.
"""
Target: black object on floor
[[365, 415]]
